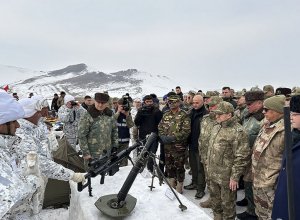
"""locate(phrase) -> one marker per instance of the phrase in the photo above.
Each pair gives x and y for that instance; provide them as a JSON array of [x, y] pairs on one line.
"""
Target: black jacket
[[196, 117], [147, 120]]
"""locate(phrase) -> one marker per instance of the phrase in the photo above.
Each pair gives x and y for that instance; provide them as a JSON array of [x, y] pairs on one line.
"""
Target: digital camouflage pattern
[[16, 191], [70, 118], [30, 142], [228, 152], [266, 163], [97, 134], [178, 125]]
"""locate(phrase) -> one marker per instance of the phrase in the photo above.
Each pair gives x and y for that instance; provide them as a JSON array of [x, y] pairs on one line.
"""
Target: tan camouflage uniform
[[178, 125], [228, 155], [266, 162]]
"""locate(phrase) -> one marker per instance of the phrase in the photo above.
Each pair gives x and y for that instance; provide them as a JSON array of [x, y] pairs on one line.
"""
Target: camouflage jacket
[[30, 134], [16, 190], [267, 154], [240, 113], [228, 152], [176, 124], [70, 118], [252, 124], [98, 133], [207, 124]]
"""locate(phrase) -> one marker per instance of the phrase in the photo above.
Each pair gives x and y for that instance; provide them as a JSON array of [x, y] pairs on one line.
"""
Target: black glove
[[167, 139]]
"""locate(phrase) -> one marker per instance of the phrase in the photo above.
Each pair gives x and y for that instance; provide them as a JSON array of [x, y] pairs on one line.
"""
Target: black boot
[[190, 187], [246, 216], [199, 195], [243, 202]]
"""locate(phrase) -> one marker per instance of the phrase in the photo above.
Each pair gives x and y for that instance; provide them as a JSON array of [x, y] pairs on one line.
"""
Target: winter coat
[[70, 118], [30, 134], [16, 190], [228, 152], [97, 131], [280, 206]]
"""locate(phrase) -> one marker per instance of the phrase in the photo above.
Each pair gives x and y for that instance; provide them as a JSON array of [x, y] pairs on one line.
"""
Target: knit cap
[[275, 103]]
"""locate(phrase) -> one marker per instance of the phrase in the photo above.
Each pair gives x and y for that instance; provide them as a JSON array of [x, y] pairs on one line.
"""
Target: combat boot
[[172, 182], [179, 187], [206, 204], [218, 217]]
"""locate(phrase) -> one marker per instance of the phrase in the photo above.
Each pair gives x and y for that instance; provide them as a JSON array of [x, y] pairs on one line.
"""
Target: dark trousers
[[198, 174], [153, 149], [162, 158], [249, 197]]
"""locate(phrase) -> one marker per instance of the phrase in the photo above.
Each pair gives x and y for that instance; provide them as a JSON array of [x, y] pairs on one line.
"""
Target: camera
[[126, 103], [73, 103]]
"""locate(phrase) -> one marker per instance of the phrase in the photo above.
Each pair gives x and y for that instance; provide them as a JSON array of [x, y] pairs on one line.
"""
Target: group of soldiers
[[228, 138]]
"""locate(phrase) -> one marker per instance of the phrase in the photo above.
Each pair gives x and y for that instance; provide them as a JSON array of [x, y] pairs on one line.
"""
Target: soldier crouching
[[174, 130], [228, 155]]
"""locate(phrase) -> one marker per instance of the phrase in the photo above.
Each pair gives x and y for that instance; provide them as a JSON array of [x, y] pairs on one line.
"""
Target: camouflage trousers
[[206, 178], [175, 158], [222, 200], [263, 200], [123, 146]]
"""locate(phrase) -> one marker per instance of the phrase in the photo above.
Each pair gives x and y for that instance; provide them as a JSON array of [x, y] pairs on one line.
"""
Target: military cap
[[295, 91], [295, 103], [115, 99], [255, 88], [174, 98], [191, 92], [268, 88], [210, 94], [214, 100], [283, 91], [275, 103], [224, 108], [239, 94], [101, 97], [252, 96]]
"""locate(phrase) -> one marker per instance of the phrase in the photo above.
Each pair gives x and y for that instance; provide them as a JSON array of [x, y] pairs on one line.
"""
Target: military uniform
[[70, 118], [266, 162], [177, 125], [228, 155], [16, 190], [97, 131]]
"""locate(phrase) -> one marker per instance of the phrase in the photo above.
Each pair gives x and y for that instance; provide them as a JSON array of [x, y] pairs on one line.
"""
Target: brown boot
[[218, 217], [206, 204], [172, 182], [179, 187]]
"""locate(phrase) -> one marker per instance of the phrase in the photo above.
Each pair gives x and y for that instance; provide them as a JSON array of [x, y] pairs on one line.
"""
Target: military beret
[[101, 97], [252, 96], [224, 108], [295, 103], [283, 91]]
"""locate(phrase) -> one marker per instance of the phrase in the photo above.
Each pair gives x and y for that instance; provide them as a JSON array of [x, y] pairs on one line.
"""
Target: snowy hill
[[80, 80]]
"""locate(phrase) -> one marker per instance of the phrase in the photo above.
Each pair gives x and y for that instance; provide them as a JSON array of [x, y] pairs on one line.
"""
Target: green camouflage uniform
[[178, 125], [228, 155], [266, 162], [98, 133]]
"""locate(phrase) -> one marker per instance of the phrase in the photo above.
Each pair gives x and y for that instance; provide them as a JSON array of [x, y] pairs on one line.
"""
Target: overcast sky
[[208, 43]]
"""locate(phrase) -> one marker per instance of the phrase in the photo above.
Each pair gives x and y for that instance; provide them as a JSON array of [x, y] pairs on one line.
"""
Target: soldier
[[174, 130], [88, 101], [124, 123], [188, 106], [228, 155], [16, 190], [267, 156], [241, 109], [60, 100], [252, 123], [31, 144], [70, 114], [97, 129], [268, 90], [206, 126]]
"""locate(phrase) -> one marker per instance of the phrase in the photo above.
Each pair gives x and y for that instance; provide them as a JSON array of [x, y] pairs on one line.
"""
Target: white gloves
[[78, 177]]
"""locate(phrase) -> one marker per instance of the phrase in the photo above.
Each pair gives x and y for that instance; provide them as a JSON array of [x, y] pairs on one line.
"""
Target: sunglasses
[[172, 101], [266, 109]]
